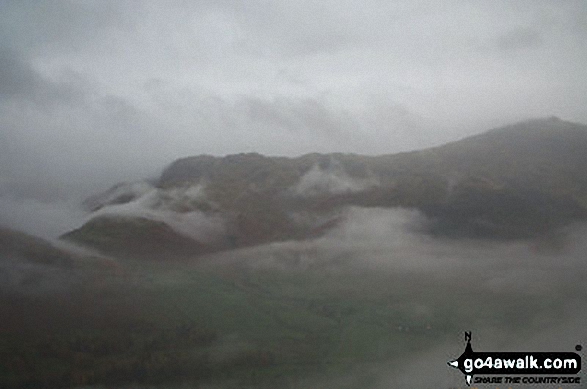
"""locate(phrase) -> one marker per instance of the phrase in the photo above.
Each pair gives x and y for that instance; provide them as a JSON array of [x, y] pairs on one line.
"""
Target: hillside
[[21, 247], [518, 181], [133, 237], [31, 267]]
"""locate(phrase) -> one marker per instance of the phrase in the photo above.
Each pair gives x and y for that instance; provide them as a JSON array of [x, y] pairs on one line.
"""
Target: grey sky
[[92, 92]]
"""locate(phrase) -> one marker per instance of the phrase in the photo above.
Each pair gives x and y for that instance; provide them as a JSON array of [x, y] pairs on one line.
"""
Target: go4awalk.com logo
[[539, 367]]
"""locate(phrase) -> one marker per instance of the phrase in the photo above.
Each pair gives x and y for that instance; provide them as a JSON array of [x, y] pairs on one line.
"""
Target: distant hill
[[134, 237], [518, 181]]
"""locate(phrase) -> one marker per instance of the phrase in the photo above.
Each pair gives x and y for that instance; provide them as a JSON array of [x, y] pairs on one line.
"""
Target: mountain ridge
[[517, 181]]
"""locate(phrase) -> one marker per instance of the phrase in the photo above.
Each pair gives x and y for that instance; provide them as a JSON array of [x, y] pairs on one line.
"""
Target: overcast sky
[[93, 92]]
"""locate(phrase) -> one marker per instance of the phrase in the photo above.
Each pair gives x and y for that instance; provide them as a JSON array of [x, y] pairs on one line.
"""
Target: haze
[[396, 300], [95, 92]]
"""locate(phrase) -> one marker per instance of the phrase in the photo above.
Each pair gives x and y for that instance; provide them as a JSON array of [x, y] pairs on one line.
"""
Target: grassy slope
[[33, 249], [134, 236]]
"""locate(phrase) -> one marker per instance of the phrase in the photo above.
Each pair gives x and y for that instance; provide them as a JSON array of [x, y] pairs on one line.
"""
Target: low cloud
[[512, 297], [174, 206], [332, 180]]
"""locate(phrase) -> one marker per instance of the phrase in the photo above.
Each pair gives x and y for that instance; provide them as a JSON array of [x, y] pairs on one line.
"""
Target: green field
[[238, 323]]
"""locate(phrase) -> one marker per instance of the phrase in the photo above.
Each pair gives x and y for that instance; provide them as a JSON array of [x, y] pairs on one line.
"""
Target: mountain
[[518, 181], [134, 236]]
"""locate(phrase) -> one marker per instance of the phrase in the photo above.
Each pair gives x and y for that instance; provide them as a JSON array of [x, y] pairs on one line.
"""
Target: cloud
[[60, 26], [512, 297], [20, 82], [16, 77], [93, 93], [330, 180], [166, 205], [299, 116], [519, 38]]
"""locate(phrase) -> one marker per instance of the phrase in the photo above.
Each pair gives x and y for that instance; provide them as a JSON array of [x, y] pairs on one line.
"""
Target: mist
[[165, 206], [97, 93], [516, 295], [519, 295]]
